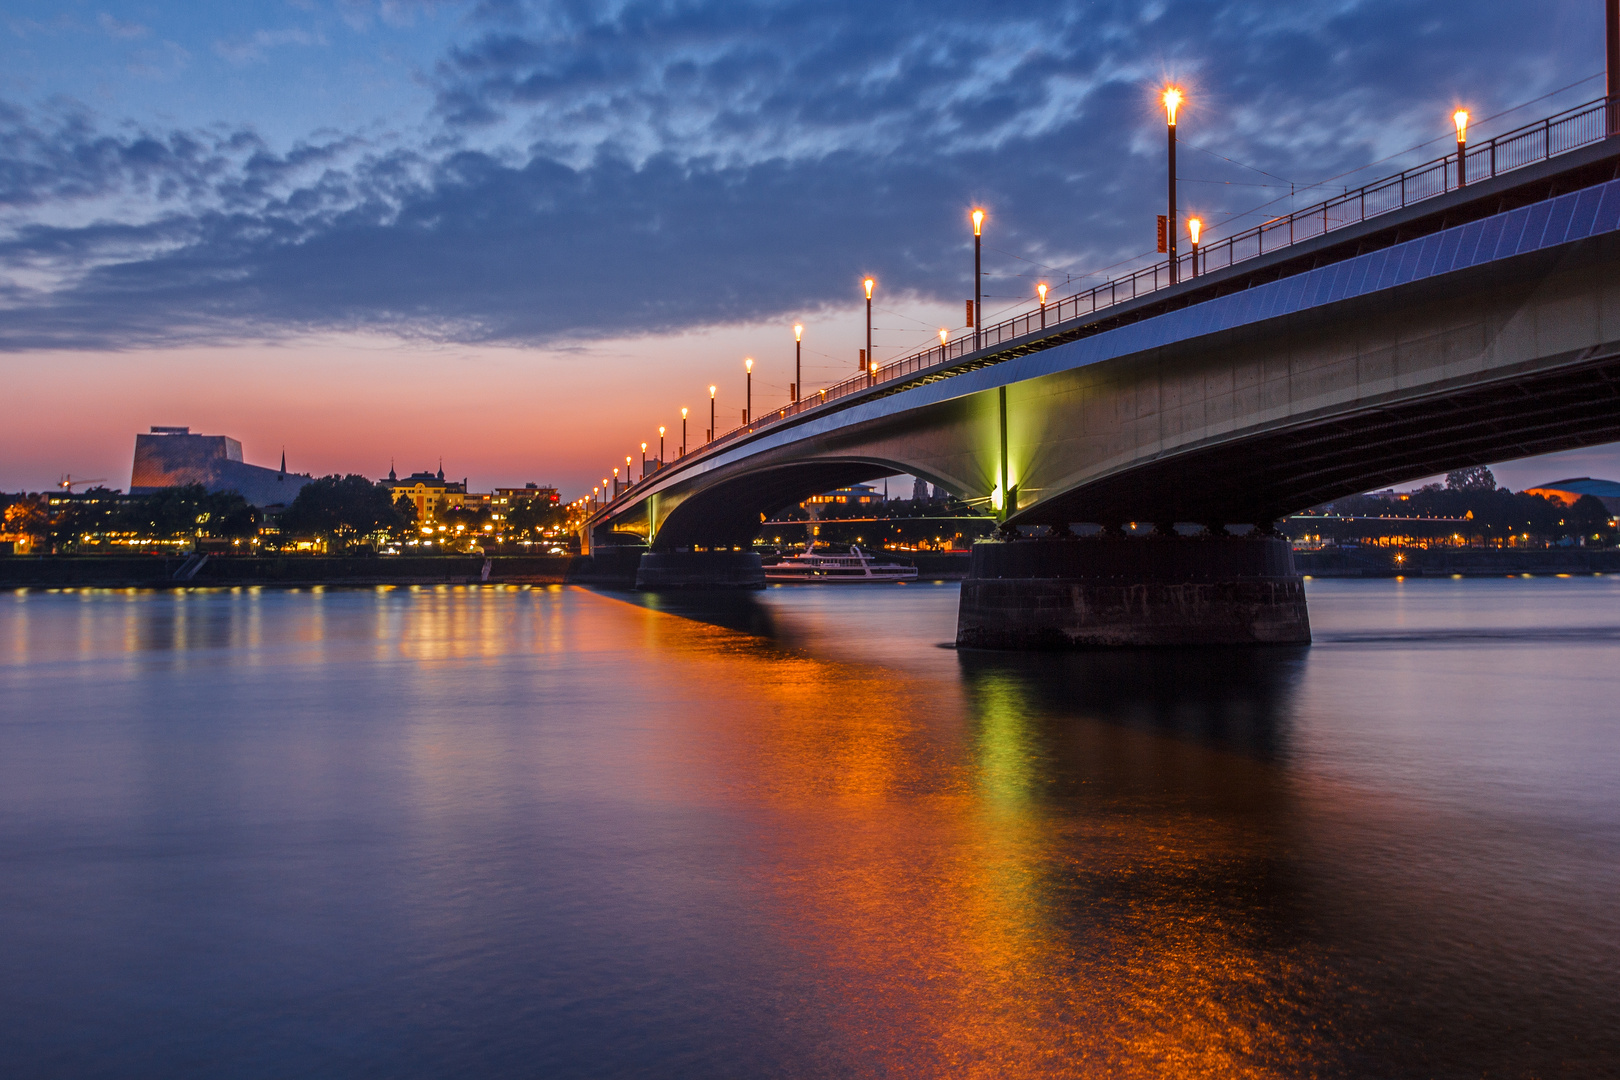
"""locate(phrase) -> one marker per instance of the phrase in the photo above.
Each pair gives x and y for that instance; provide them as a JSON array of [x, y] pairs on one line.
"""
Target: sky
[[518, 237]]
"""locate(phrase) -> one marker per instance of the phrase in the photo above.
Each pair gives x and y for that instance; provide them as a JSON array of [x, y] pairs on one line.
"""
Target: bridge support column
[[1102, 592], [700, 570]]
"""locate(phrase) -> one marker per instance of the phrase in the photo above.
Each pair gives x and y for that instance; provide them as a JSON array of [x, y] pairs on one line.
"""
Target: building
[[431, 492], [172, 456], [507, 496], [1567, 491], [855, 493]]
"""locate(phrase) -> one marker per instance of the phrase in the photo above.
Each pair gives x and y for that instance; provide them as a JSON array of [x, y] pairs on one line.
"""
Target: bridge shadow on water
[[1236, 699]]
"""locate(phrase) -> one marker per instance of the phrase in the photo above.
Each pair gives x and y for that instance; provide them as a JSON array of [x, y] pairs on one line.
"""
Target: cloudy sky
[[520, 236]]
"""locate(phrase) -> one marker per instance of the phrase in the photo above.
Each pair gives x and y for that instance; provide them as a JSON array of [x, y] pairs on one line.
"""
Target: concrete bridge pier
[[1100, 592], [700, 570]]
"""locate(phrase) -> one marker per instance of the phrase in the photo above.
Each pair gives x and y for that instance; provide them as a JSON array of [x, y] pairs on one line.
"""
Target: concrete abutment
[[700, 570], [1102, 593]]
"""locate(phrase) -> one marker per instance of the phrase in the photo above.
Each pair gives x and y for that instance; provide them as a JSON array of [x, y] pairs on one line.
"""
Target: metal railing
[[1539, 141]]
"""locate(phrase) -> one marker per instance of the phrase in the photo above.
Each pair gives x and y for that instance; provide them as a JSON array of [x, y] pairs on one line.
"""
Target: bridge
[[1408, 327]]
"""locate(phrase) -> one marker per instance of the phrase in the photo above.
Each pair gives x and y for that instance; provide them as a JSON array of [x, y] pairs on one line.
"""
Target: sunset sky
[[521, 236]]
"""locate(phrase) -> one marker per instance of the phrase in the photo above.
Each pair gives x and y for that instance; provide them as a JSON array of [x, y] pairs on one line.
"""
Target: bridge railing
[[1527, 145]]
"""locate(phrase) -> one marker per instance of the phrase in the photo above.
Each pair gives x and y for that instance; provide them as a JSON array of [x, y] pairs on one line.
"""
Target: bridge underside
[[728, 513], [1267, 476]]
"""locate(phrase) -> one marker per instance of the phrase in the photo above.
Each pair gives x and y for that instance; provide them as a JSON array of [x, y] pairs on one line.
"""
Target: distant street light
[[798, 362], [644, 461], [1195, 228], [683, 433], [1172, 102], [871, 362], [1041, 291], [978, 292], [748, 400], [711, 414], [660, 446], [1460, 118]]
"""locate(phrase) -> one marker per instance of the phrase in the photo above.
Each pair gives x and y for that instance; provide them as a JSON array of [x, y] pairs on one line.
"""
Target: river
[[556, 832]]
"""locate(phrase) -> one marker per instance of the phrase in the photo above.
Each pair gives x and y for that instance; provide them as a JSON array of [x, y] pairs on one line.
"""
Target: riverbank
[[612, 567], [1453, 562]]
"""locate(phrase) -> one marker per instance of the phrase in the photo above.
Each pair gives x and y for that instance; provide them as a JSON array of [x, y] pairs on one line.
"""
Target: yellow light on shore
[[1195, 228], [978, 221], [1172, 102], [1460, 118]]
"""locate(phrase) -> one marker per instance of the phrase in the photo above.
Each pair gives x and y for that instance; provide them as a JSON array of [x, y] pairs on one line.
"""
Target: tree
[[1588, 518], [1478, 478], [405, 510], [343, 509]]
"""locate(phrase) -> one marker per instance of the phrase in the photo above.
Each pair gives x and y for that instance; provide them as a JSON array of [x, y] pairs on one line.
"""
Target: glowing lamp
[[1460, 118], [683, 414], [798, 332], [869, 283], [1041, 290], [943, 335], [1172, 102], [643, 448], [711, 393], [978, 221], [660, 431], [1196, 228], [748, 365]]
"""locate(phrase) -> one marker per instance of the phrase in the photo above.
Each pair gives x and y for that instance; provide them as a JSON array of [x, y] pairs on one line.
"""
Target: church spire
[[283, 461], [391, 475], [441, 468]]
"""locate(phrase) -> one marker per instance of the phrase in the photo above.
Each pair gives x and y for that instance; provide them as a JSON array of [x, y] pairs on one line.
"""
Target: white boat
[[815, 568]]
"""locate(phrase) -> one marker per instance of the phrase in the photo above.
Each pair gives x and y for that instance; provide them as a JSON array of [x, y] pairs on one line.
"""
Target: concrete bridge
[[1405, 329]]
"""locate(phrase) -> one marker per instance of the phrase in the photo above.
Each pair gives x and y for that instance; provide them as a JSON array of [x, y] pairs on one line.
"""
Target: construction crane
[[67, 483]]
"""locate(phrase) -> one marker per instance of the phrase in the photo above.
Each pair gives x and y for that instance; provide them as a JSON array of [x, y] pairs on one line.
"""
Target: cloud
[[254, 48], [119, 29], [646, 166]]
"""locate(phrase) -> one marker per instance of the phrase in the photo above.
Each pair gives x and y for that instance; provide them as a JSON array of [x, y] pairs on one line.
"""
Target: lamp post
[[1460, 118], [871, 364], [616, 477], [711, 414], [660, 446], [683, 433], [978, 293], [644, 461], [1195, 228], [798, 362], [593, 496], [748, 399], [1040, 290], [1172, 102]]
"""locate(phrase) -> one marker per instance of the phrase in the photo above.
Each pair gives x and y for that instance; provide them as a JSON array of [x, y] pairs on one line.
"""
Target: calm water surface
[[555, 832]]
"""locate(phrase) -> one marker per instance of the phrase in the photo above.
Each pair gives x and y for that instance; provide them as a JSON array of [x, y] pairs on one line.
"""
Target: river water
[[556, 832]]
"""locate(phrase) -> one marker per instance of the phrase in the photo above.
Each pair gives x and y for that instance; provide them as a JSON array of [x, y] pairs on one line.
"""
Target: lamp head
[[798, 332], [1041, 289], [748, 365], [711, 393], [978, 221], [869, 283], [1460, 118], [1172, 102], [1195, 226], [874, 367], [943, 335], [643, 448], [683, 414], [660, 431]]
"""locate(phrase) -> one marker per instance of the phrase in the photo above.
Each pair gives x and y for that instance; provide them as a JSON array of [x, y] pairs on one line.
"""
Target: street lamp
[[660, 446], [798, 362], [644, 461], [978, 295], [1195, 229], [1460, 118], [1172, 102], [748, 401], [871, 363], [1040, 291], [711, 414], [616, 477], [683, 433]]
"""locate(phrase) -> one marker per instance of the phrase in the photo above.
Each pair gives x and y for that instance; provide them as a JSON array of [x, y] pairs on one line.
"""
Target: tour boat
[[819, 569]]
